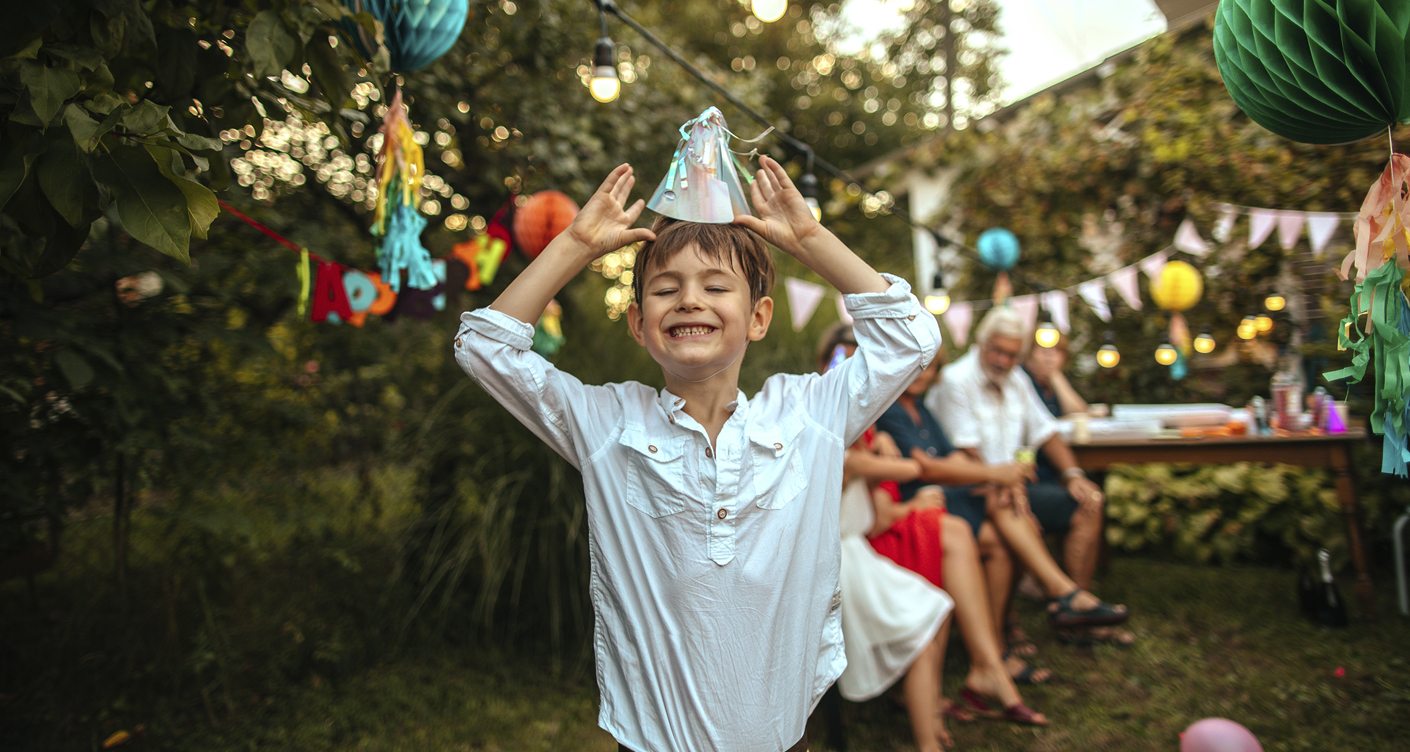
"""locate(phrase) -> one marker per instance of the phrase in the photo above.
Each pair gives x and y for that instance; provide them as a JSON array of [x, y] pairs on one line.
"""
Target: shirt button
[[778, 447], [709, 453], [722, 514], [651, 448]]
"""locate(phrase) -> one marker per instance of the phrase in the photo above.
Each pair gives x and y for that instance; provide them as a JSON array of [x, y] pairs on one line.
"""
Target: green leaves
[[152, 209], [67, 182], [48, 87], [74, 368], [270, 45]]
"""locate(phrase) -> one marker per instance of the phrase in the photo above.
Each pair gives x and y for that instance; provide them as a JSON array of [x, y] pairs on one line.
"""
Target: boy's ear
[[763, 314], [635, 323]]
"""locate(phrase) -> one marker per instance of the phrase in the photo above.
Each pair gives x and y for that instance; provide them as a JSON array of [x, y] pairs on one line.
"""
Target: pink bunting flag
[[1124, 280], [1055, 302], [803, 300], [1260, 225], [1152, 265], [957, 319], [1094, 292], [1290, 228], [1026, 306], [1320, 226], [1224, 227], [1188, 239], [842, 311]]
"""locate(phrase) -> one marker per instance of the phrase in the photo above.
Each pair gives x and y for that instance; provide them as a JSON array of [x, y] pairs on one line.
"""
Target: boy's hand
[[603, 225], [784, 218]]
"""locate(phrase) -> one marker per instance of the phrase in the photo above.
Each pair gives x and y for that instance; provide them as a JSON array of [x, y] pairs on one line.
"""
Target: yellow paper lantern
[[1178, 288]]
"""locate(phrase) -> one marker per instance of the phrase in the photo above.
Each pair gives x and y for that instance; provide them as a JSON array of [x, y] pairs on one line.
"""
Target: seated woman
[[920, 436], [896, 622]]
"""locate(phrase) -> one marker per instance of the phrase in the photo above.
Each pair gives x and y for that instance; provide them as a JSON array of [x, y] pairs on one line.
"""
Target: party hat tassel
[[400, 168], [703, 183]]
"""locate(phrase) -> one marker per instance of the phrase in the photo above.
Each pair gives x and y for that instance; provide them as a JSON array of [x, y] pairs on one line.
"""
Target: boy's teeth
[[689, 331]]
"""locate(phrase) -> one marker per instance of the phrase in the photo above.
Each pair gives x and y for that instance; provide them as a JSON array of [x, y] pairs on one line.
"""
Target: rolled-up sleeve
[[896, 338], [493, 348]]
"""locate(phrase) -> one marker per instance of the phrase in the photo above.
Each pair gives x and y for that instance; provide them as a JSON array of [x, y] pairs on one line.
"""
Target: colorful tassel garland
[[400, 168]]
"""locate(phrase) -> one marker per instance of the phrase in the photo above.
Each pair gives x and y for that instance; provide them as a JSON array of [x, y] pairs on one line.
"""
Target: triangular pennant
[[803, 299], [1260, 225], [842, 311], [1094, 292], [1224, 227], [330, 298], [1290, 228], [1152, 265], [1188, 240], [1026, 306], [1124, 281], [1320, 226], [1055, 301], [958, 317]]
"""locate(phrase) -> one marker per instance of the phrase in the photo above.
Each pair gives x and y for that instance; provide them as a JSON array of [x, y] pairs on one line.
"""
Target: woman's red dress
[[914, 541]]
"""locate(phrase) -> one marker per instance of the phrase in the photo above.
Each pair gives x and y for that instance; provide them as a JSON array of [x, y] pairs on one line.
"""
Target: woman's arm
[[876, 468], [1068, 398]]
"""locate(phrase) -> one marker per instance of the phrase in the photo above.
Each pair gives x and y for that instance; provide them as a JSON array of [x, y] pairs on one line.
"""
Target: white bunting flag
[[957, 319], [1224, 227], [1320, 226], [1152, 265], [803, 299], [1260, 225], [1124, 280], [1290, 228], [1055, 301], [1094, 292], [842, 311], [1026, 306], [1188, 240]]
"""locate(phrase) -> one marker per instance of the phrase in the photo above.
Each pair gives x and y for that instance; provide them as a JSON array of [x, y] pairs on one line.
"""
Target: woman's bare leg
[[1024, 538], [922, 691], [998, 572]]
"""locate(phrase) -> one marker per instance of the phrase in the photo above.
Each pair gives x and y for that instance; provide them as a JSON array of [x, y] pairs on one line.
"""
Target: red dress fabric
[[914, 543]]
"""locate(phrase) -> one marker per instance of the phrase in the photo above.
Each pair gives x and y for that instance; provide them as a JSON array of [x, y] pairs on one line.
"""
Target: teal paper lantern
[[998, 248], [1316, 71], [416, 32]]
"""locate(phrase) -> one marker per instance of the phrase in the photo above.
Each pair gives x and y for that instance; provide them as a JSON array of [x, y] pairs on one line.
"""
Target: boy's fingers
[[780, 175], [765, 189], [635, 210], [751, 222], [755, 193], [613, 177], [623, 189], [636, 235]]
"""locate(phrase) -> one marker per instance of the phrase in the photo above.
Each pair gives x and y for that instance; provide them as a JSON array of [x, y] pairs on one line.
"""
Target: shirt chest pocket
[[656, 474], [779, 472]]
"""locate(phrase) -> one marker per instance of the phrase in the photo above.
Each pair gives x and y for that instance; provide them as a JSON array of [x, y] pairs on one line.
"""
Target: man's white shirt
[[994, 420]]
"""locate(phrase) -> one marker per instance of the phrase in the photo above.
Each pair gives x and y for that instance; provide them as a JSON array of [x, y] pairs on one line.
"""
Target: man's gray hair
[[1001, 321]]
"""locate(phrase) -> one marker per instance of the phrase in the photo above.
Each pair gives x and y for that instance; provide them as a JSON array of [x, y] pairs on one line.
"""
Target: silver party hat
[[703, 182]]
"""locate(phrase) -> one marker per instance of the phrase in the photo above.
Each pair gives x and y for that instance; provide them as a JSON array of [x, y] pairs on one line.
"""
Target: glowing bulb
[[1204, 343], [1047, 334], [938, 303], [769, 11], [814, 206], [605, 86], [1108, 356], [1247, 328], [1275, 302], [1263, 323], [1166, 355]]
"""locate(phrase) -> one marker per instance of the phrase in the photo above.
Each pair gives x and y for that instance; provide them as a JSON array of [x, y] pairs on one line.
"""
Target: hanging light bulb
[[1108, 356], [808, 186], [604, 85], [1165, 354], [1204, 343], [1275, 302], [1263, 323], [938, 301], [1247, 328], [1047, 335], [769, 11]]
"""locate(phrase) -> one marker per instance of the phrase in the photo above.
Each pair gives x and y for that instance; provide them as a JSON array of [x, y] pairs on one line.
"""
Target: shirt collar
[[673, 404]]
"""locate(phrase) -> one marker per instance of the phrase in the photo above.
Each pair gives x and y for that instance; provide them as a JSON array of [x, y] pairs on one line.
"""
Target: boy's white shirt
[[714, 575]]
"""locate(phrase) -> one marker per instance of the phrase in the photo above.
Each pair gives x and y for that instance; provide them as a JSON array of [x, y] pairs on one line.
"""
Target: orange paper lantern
[[540, 219]]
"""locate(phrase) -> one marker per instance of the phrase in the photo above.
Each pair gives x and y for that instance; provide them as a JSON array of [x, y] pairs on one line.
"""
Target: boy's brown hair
[[739, 246]]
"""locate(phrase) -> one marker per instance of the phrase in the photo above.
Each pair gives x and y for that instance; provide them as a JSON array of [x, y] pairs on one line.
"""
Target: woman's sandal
[[1062, 614], [1016, 713], [1028, 675]]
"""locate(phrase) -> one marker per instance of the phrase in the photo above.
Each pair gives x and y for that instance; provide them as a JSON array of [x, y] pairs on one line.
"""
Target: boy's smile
[[696, 318]]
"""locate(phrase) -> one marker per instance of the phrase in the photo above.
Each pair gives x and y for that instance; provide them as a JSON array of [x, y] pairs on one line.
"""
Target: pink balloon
[[1218, 735]]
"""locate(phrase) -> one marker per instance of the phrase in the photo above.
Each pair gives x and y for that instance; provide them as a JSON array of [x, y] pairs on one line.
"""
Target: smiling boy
[[712, 517]]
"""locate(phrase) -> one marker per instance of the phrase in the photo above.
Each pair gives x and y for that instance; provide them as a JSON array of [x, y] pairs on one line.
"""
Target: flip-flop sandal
[[955, 711], [1062, 614], [1026, 675], [1015, 713]]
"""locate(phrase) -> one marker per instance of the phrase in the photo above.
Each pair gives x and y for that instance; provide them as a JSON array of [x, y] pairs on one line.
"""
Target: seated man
[[989, 409]]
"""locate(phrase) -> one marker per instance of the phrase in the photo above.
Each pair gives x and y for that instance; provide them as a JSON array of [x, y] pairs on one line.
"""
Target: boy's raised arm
[[603, 226], [786, 221]]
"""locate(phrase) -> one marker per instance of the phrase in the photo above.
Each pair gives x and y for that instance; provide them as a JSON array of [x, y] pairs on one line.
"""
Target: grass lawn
[[1214, 641]]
